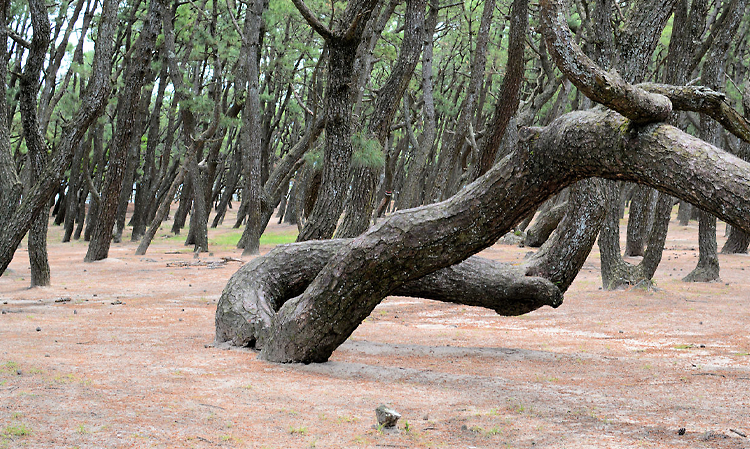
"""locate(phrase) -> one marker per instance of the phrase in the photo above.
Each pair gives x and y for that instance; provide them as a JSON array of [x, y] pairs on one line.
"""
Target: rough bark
[[127, 106], [713, 76], [561, 257], [607, 88], [253, 295], [35, 142], [250, 132], [737, 242], [544, 225], [10, 184], [342, 45], [409, 244]]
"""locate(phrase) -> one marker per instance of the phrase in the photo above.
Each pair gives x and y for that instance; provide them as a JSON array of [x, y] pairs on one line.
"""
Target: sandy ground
[[117, 354]]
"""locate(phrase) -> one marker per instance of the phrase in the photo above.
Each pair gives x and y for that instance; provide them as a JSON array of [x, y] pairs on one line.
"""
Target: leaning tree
[[300, 302]]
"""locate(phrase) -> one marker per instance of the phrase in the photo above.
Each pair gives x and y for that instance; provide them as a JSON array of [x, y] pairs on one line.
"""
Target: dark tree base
[[703, 274]]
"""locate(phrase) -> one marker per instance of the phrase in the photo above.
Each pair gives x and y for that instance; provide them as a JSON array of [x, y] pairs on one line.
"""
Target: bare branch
[[607, 88], [706, 101], [20, 40], [313, 21]]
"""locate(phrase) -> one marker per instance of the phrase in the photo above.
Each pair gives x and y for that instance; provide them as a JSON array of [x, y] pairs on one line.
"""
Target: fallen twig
[[738, 433]]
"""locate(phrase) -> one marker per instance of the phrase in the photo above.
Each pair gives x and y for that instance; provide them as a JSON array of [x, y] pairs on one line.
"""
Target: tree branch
[[412, 243], [313, 21], [20, 40], [706, 101], [607, 88]]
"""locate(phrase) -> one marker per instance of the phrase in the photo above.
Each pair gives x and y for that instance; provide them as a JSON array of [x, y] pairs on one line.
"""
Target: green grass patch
[[230, 239], [9, 367], [225, 239], [20, 430], [279, 238], [298, 430]]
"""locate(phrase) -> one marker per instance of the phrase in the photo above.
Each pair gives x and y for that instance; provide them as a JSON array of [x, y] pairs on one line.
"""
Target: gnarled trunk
[[411, 244]]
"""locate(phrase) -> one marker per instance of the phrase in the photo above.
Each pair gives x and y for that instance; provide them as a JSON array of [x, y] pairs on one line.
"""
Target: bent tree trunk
[[412, 243], [257, 291]]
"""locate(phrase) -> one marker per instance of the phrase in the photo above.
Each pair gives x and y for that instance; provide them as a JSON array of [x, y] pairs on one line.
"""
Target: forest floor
[[119, 354]]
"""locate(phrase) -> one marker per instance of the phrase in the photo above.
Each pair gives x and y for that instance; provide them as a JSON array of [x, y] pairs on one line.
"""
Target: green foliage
[[314, 157], [19, 430], [367, 152]]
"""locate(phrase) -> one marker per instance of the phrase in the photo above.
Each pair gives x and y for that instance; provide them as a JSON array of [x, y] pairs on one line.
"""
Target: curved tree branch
[[706, 101], [607, 88]]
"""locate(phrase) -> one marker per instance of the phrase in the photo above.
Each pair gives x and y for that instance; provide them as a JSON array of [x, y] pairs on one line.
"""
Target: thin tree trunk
[[361, 202], [128, 104], [16, 219], [342, 47], [250, 132], [684, 213], [451, 150], [638, 221], [37, 147], [161, 213]]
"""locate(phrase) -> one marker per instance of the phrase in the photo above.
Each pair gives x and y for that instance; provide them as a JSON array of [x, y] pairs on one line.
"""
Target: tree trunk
[[16, 219], [707, 269], [127, 106], [342, 49], [684, 213], [410, 244], [260, 288], [146, 187], [451, 149], [638, 221], [161, 213], [544, 225], [229, 187], [507, 104], [714, 76], [361, 203], [737, 242], [74, 189], [95, 185], [250, 132], [35, 142]]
